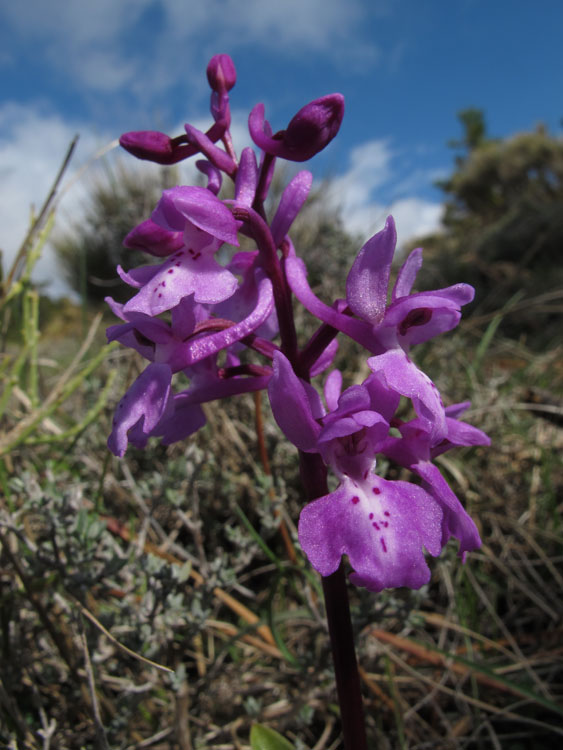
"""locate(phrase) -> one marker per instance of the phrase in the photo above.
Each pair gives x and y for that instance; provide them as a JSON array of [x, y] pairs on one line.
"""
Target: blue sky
[[405, 67]]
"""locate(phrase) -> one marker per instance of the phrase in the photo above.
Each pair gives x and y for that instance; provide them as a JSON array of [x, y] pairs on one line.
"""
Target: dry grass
[[177, 558]]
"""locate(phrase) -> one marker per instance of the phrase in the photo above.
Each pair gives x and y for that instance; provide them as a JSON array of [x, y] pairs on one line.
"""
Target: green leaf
[[263, 738]]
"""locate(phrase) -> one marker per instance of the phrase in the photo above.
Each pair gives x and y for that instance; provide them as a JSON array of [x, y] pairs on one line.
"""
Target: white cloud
[[106, 46], [371, 174]]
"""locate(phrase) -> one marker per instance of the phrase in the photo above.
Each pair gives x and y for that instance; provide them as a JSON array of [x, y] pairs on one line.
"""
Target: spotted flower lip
[[382, 526], [308, 132]]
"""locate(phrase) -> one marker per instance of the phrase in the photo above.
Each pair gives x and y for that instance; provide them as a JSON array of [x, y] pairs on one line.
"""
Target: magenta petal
[[382, 526], [247, 178], [260, 132], [198, 206], [461, 433], [155, 146], [358, 330], [214, 177], [137, 277], [333, 389], [197, 349], [403, 376], [456, 521], [210, 390], [407, 275], [216, 156], [185, 420], [115, 307], [184, 273], [368, 280], [150, 238], [291, 407], [142, 407], [325, 360], [292, 200]]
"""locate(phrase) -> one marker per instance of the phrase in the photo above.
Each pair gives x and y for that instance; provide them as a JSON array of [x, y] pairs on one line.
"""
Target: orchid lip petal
[[186, 272], [382, 526]]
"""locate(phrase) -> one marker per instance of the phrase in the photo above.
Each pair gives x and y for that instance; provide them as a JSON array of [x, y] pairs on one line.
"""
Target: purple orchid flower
[[217, 311], [193, 335], [383, 526], [388, 331], [205, 223]]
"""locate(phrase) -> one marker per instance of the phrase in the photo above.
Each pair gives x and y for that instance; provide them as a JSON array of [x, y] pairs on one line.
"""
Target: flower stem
[[313, 475], [344, 658]]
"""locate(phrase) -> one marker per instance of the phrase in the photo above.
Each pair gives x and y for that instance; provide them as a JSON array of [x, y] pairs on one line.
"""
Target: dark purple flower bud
[[221, 73], [158, 147], [310, 130]]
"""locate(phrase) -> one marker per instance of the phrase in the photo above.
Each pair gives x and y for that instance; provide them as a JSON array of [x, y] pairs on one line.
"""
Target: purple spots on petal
[[366, 472], [382, 540], [170, 270], [197, 255], [385, 524], [376, 491], [178, 263], [160, 295], [375, 525], [355, 499], [370, 516], [386, 513]]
